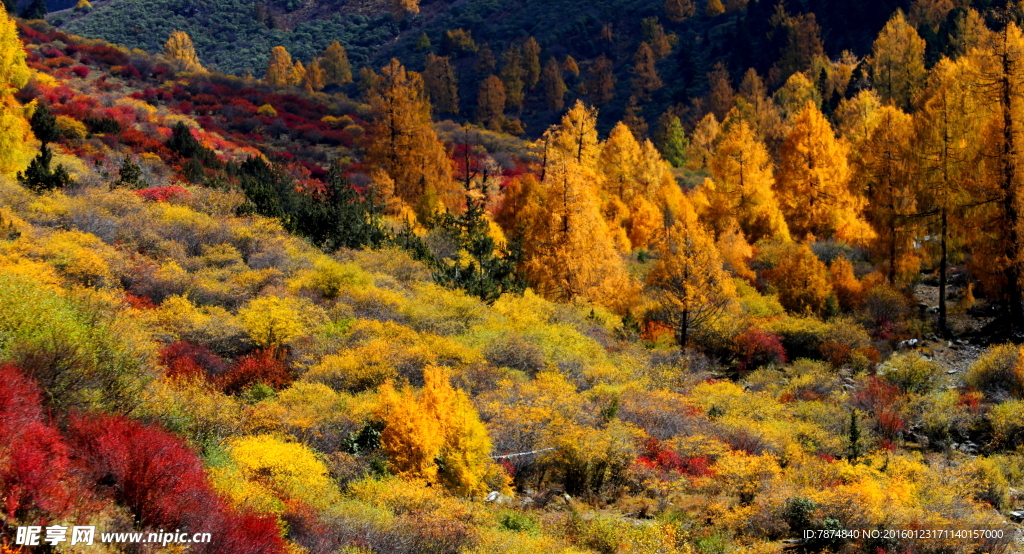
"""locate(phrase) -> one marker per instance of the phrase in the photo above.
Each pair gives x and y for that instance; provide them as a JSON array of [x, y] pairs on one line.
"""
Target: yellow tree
[[755, 106], [513, 76], [442, 86], [741, 189], [887, 174], [402, 8], [297, 75], [16, 139], [619, 161], [688, 280], [531, 62], [897, 61], [315, 78], [412, 438], [554, 85], [279, 68], [576, 136], [645, 75], [813, 182], [438, 424], [600, 87], [702, 142], [404, 142], [490, 102], [570, 252], [800, 278], [947, 127], [999, 77], [337, 69], [467, 469], [721, 94], [678, 11], [180, 50]]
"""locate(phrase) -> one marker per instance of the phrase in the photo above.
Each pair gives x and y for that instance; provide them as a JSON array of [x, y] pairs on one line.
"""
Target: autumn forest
[[680, 277]]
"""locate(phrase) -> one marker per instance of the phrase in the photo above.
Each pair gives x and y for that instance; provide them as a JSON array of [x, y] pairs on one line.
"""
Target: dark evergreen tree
[[36, 10], [492, 269], [130, 175], [187, 146], [44, 125], [40, 178]]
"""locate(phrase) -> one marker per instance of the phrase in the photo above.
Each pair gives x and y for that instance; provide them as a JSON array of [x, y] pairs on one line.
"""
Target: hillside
[[233, 38], [312, 317]]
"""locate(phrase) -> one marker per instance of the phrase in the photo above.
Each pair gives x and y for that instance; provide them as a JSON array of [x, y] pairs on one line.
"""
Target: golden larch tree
[[336, 66], [688, 281], [180, 50], [442, 86], [404, 142], [279, 68], [490, 102], [678, 11], [897, 62], [887, 175], [16, 138], [570, 253], [619, 162], [741, 188], [600, 85], [800, 278], [531, 62], [813, 182], [297, 75], [576, 136], [402, 8], [554, 85], [946, 146], [315, 78], [997, 222], [513, 76], [645, 75]]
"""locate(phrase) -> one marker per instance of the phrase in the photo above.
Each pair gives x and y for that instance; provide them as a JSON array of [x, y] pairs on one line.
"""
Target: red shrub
[[163, 194], [890, 423], [81, 71], [875, 395], [35, 468], [163, 483], [259, 367], [184, 359], [756, 348], [139, 302]]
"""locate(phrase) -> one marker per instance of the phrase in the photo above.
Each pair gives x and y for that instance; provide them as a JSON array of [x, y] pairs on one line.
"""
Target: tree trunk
[[943, 262], [1014, 307]]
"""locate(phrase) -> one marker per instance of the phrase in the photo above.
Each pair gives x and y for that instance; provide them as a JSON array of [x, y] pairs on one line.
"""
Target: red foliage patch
[[163, 194], [35, 474], [163, 483], [184, 359], [139, 302], [756, 348], [876, 395], [81, 71], [259, 367]]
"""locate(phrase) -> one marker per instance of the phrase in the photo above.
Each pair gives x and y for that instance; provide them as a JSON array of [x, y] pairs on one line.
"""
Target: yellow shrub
[[271, 471], [272, 321], [998, 371], [71, 128], [267, 110], [80, 256], [1008, 422], [329, 278]]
